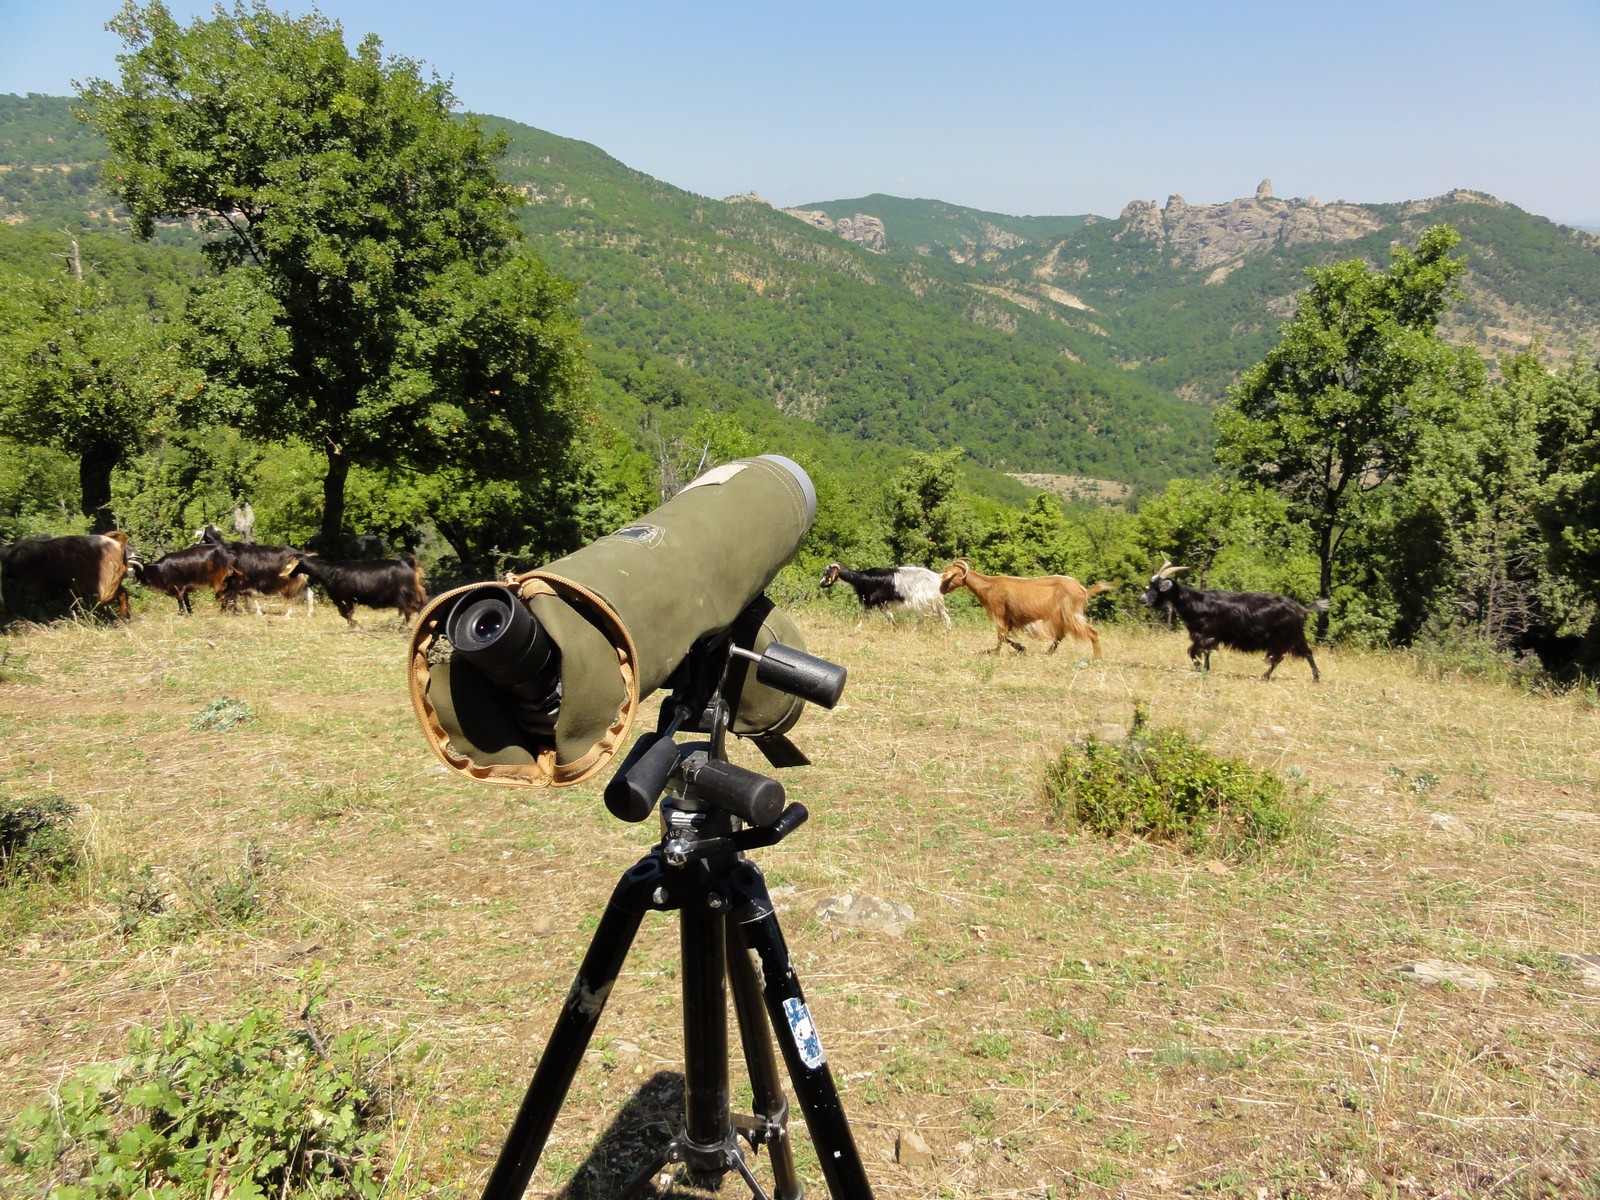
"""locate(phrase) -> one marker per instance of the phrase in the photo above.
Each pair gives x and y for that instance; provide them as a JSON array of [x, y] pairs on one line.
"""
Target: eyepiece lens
[[493, 630]]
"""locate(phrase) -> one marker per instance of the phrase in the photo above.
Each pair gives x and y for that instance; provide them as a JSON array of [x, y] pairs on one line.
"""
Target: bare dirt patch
[[1078, 487]]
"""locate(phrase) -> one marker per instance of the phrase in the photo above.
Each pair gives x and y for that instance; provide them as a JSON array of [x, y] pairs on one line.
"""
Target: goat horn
[[1167, 570]]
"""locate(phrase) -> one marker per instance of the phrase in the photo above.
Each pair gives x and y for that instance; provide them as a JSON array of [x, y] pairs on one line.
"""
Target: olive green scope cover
[[623, 612]]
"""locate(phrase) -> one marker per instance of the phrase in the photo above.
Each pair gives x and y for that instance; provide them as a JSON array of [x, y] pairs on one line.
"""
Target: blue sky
[[1022, 108]]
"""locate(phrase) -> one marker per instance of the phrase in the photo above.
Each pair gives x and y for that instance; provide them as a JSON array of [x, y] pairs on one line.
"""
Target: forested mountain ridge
[[951, 230], [883, 349], [1066, 345], [1187, 295]]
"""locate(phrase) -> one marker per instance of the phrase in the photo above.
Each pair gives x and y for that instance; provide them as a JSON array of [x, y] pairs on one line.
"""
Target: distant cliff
[[863, 230], [1219, 236]]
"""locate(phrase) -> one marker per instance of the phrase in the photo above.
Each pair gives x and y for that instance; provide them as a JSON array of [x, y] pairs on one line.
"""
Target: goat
[[376, 583], [892, 589], [84, 568], [258, 571], [1049, 607], [186, 570], [1247, 621]]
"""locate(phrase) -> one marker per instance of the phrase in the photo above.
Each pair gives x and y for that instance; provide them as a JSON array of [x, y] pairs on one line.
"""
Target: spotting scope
[[536, 679]]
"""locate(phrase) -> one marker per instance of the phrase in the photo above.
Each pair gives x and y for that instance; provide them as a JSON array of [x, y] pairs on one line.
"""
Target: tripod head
[[708, 688]]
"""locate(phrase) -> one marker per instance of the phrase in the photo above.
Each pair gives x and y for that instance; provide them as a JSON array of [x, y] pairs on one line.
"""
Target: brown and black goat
[[258, 571], [43, 576], [185, 571]]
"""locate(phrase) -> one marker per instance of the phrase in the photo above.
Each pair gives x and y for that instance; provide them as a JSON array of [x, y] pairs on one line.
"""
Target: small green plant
[[14, 668], [221, 715], [256, 1107], [1162, 785], [178, 905], [37, 838]]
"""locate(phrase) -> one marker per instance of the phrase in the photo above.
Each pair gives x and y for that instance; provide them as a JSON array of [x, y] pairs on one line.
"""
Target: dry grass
[[1064, 1016]]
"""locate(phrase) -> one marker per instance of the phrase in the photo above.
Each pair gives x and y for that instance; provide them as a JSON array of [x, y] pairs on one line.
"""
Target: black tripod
[[712, 813]]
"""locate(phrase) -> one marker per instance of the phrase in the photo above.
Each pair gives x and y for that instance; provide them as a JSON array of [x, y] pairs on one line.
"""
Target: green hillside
[[934, 227], [881, 349], [1190, 327], [1054, 345]]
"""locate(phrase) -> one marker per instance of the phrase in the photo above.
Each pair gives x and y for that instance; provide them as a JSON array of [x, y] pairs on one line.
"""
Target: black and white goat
[[1254, 622], [892, 589]]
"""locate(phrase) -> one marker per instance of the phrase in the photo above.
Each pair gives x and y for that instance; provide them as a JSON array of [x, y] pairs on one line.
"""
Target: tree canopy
[[1338, 407], [362, 239], [84, 374]]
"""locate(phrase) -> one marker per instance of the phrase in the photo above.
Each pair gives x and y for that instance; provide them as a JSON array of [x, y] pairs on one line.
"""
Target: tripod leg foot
[[796, 1035]]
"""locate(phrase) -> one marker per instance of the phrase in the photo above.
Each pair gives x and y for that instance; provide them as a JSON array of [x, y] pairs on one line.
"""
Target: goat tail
[[1102, 586]]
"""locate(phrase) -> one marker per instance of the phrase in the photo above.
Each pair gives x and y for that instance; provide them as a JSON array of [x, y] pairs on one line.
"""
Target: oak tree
[[86, 375], [1336, 410], [361, 239]]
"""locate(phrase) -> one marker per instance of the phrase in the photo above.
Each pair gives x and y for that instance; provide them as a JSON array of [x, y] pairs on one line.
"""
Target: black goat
[[1247, 621], [376, 583], [893, 589], [257, 572]]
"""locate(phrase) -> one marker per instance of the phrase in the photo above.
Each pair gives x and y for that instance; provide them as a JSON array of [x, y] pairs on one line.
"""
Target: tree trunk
[[330, 536], [1325, 588], [452, 532], [94, 486]]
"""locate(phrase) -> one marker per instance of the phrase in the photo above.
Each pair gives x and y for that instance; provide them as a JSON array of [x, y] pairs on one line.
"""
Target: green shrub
[[221, 716], [171, 905], [37, 838], [254, 1107], [1162, 785]]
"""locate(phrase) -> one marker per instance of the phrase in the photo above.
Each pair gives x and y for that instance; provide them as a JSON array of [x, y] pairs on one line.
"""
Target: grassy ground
[[1064, 1016]]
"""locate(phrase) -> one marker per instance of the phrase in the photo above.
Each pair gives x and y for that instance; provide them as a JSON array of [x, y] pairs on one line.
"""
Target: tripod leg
[[761, 1062], [797, 1036], [630, 900], [708, 1129]]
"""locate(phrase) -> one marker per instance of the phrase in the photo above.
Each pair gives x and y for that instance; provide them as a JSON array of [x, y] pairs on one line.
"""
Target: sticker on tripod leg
[[805, 1033]]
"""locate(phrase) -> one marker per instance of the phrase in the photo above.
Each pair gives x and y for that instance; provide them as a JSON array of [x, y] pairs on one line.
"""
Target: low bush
[[172, 905], [37, 838], [1162, 785], [254, 1107]]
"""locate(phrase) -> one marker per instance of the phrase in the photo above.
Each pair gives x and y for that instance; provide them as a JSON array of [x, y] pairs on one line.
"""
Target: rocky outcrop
[[1141, 222], [863, 229], [1455, 196], [1213, 236]]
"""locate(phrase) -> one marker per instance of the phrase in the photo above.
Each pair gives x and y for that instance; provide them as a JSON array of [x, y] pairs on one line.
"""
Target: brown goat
[[44, 574], [1050, 607]]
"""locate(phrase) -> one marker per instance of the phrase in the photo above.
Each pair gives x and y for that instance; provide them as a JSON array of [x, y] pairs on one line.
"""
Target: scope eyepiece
[[494, 631]]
